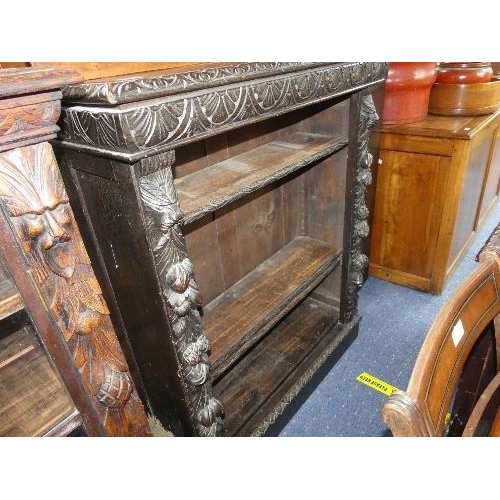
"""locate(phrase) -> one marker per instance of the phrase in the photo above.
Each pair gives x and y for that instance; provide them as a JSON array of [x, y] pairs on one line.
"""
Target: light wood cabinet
[[436, 181]]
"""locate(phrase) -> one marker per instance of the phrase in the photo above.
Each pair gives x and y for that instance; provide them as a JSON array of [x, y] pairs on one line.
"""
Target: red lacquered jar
[[464, 72], [407, 91]]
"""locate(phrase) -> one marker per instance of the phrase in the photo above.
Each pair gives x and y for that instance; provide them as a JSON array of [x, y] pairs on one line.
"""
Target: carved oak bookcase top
[[224, 209]]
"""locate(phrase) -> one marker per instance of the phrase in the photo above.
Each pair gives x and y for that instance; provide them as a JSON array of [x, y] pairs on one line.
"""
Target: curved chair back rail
[[422, 409]]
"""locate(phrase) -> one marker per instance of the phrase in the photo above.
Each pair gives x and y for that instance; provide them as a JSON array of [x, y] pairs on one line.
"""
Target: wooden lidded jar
[[465, 89], [407, 90], [464, 72]]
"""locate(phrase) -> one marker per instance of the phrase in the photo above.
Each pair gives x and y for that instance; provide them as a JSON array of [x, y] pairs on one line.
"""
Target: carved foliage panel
[[182, 296], [20, 119], [33, 193], [363, 178]]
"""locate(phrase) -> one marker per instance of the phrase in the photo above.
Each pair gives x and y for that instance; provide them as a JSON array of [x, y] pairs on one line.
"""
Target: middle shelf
[[10, 300], [214, 187], [240, 316]]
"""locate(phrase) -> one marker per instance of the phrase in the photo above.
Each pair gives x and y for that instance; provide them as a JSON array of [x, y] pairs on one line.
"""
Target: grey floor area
[[394, 322]]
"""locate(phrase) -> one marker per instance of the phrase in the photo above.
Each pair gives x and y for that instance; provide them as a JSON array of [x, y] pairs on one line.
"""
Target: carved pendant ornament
[[33, 193], [182, 296], [363, 178]]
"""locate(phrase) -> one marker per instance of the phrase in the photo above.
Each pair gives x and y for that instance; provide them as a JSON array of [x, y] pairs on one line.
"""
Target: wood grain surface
[[10, 300], [436, 181], [244, 313], [33, 399], [93, 70], [252, 381], [229, 180]]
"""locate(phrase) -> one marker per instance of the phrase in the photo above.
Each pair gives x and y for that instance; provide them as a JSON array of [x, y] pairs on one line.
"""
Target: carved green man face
[[35, 199]]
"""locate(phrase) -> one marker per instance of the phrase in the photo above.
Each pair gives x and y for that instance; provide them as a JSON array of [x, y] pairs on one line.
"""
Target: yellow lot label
[[376, 383]]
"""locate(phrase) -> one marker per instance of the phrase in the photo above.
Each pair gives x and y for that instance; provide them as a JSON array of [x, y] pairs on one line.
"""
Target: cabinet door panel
[[479, 149], [408, 209], [492, 182]]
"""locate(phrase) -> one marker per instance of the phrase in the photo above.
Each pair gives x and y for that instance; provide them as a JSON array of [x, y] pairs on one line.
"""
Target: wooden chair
[[456, 373]]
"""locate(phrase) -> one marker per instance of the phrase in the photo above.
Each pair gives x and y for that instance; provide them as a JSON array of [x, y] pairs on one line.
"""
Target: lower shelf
[[33, 400], [261, 385], [245, 312]]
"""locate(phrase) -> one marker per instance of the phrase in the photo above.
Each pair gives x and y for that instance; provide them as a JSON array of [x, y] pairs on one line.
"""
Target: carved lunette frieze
[[33, 193], [129, 131], [363, 178], [182, 296]]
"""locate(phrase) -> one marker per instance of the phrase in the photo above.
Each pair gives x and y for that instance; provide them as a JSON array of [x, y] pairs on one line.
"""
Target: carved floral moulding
[[136, 130], [363, 178], [29, 105]]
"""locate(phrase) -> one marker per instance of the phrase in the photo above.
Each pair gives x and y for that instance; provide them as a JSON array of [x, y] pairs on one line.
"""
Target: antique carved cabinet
[[223, 208], [61, 366]]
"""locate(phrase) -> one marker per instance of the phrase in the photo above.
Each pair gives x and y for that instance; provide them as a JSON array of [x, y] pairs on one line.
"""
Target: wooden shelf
[[261, 375], [33, 400], [10, 300], [213, 187], [65, 425], [235, 320]]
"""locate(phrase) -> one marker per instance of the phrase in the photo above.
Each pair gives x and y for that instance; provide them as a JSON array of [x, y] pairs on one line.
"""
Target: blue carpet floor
[[394, 322]]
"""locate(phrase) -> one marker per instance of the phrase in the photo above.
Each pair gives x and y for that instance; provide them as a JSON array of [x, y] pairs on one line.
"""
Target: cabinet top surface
[[116, 90], [19, 81], [452, 127]]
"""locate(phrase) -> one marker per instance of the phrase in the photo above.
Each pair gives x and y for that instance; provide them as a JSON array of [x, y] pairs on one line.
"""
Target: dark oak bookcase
[[224, 211]]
